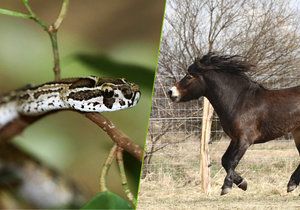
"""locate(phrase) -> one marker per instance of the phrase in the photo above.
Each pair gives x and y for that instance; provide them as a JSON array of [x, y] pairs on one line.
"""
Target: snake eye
[[127, 92], [107, 92]]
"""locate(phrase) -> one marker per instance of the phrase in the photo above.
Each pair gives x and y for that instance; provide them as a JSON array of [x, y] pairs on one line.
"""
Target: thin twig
[[53, 37], [126, 189], [52, 32], [62, 14], [105, 168], [116, 135], [34, 16], [14, 13]]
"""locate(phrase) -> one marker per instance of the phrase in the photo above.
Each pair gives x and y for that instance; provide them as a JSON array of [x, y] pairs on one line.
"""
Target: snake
[[36, 183], [83, 94]]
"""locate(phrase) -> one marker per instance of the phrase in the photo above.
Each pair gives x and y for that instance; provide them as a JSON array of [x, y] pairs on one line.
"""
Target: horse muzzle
[[174, 94]]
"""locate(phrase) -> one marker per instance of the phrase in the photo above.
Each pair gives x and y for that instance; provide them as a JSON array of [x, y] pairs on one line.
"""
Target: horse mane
[[235, 64]]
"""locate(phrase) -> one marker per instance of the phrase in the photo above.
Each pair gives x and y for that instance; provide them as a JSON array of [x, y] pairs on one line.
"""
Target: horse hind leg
[[295, 178]]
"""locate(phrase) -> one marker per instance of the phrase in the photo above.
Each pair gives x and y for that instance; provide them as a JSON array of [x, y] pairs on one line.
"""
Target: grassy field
[[173, 182]]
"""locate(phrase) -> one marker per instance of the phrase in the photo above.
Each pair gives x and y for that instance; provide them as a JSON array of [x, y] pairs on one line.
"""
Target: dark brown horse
[[249, 113]]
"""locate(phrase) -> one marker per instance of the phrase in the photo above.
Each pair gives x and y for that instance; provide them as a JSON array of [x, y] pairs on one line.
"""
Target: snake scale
[[88, 94]]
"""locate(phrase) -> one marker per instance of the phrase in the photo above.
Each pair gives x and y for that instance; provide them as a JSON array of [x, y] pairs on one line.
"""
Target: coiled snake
[[89, 94]]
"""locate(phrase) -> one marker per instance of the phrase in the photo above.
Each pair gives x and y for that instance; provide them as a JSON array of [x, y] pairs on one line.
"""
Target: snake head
[[107, 95]]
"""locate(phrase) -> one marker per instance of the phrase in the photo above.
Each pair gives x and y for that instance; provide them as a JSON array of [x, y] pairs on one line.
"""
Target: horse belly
[[279, 122]]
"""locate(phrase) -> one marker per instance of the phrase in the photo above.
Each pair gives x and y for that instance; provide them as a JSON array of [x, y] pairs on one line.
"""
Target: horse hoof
[[243, 185], [290, 188], [225, 191]]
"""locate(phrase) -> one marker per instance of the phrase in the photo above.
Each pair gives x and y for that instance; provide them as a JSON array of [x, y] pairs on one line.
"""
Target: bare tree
[[265, 32]]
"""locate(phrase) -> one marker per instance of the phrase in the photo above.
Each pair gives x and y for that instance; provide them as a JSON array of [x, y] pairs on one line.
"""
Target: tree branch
[[106, 166], [119, 157], [52, 32], [62, 14], [122, 140]]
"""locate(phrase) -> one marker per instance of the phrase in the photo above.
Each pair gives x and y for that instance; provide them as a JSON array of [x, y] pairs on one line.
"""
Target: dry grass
[[174, 182]]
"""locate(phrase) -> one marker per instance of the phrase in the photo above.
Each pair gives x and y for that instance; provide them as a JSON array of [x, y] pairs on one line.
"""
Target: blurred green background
[[104, 38]]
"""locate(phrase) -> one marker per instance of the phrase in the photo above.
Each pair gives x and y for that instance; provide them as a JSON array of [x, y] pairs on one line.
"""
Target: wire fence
[[180, 162]]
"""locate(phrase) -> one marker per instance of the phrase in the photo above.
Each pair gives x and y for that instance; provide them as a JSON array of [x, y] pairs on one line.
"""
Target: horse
[[249, 113]]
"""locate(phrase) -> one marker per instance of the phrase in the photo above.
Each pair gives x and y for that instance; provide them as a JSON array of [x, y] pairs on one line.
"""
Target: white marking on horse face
[[174, 94]]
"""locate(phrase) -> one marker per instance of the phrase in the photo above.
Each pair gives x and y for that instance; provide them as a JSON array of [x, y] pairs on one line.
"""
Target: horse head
[[192, 85], [208, 68]]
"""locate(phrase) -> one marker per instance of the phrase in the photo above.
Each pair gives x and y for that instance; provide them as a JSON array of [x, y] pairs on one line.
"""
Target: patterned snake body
[[36, 183], [89, 94]]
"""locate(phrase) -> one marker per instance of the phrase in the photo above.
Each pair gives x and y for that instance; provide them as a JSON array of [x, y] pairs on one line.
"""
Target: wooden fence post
[[204, 151]]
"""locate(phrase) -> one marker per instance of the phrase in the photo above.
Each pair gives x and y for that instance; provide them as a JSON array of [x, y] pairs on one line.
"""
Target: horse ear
[[197, 61], [205, 59]]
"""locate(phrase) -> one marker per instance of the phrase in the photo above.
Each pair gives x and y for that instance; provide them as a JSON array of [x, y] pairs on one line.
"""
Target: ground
[[173, 182]]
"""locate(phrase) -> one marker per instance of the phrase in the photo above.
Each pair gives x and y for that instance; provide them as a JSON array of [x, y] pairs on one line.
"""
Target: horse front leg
[[230, 160], [237, 179], [295, 178]]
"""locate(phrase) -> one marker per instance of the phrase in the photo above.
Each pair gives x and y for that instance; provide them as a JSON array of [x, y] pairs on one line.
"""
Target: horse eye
[[107, 92], [188, 76]]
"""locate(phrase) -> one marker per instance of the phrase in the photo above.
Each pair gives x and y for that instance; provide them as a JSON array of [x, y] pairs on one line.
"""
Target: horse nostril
[[170, 92]]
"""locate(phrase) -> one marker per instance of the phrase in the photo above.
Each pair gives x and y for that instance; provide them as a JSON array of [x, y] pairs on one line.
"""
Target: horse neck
[[225, 90]]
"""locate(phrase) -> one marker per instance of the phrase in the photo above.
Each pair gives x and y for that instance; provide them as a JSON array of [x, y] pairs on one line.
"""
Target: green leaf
[[133, 169], [107, 200], [14, 13]]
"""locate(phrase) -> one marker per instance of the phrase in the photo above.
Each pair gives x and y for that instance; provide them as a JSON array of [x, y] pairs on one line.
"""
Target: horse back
[[265, 114]]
